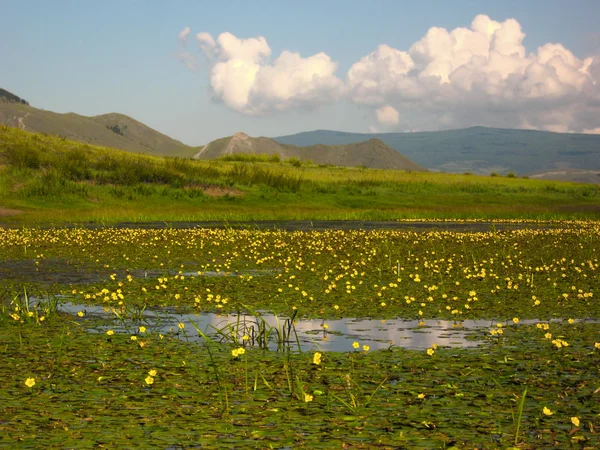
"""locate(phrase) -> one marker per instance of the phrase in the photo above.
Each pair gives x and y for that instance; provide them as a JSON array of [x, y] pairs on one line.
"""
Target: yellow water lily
[[317, 358]]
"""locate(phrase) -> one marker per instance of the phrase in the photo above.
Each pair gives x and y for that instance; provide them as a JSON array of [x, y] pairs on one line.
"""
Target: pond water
[[321, 225], [62, 271], [330, 335]]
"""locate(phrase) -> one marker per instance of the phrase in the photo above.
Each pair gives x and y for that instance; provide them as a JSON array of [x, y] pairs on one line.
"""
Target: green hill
[[9, 97], [372, 153], [109, 130], [478, 149], [46, 179]]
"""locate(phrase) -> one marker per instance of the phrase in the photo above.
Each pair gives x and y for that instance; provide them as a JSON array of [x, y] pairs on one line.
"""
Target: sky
[[200, 70]]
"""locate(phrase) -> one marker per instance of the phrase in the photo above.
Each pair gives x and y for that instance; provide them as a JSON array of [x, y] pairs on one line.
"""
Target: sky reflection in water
[[338, 336]]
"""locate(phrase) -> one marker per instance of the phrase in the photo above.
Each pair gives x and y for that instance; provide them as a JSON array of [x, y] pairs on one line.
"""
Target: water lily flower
[[317, 358], [575, 421]]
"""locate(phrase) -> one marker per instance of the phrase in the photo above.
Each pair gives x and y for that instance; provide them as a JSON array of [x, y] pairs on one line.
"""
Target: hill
[[372, 153], [108, 130], [9, 97], [478, 149], [47, 179]]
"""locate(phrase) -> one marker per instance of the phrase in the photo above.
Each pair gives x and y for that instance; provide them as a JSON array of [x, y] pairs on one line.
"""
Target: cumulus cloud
[[480, 75], [245, 77], [387, 115], [476, 75]]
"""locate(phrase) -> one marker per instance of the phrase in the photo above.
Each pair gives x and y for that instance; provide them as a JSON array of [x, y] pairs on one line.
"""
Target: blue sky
[[125, 56]]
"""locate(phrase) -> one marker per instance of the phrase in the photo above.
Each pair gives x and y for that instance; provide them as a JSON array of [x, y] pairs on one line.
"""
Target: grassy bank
[[45, 179]]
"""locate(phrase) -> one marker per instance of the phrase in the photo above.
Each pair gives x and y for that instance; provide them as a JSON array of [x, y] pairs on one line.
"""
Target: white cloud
[[246, 79], [185, 57], [183, 35], [387, 115], [480, 76], [476, 75]]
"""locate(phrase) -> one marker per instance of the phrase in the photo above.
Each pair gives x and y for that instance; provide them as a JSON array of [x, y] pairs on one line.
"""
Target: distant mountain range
[[371, 153], [478, 149]]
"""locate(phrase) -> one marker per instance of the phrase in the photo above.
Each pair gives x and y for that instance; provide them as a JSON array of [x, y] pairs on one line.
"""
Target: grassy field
[[79, 380], [46, 179]]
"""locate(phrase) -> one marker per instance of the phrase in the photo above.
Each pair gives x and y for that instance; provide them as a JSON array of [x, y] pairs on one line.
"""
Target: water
[[331, 335]]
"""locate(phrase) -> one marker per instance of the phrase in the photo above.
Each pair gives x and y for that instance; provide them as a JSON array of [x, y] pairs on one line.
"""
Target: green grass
[[52, 180]]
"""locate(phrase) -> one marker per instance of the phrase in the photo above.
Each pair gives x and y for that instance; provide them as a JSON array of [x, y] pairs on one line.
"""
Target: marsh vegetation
[[118, 379]]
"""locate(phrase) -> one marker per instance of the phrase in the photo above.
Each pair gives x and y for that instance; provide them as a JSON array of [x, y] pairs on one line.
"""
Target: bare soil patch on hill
[[7, 212], [220, 191]]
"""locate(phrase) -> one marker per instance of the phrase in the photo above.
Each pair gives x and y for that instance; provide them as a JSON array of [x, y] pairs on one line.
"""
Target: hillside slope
[[108, 130], [372, 153], [477, 149]]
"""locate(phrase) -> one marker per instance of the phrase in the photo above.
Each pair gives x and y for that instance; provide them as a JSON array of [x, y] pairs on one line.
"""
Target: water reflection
[[331, 335]]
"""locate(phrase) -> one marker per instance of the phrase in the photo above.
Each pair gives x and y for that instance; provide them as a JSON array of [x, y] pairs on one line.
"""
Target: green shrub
[[294, 161]]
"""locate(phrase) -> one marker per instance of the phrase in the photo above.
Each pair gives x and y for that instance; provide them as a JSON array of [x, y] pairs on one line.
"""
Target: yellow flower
[[317, 358], [547, 411], [152, 373], [181, 325], [30, 382], [245, 337], [149, 380], [307, 398], [238, 351], [430, 351], [571, 321], [515, 320], [366, 348], [421, 396], [575, 421], [336, 307], [133, 338], [355, 344], [81, 313], [142, 329], [597, 345], [110, 332]]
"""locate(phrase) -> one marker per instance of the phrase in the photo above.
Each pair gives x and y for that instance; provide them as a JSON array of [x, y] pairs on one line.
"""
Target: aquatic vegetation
[[119, 379]]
